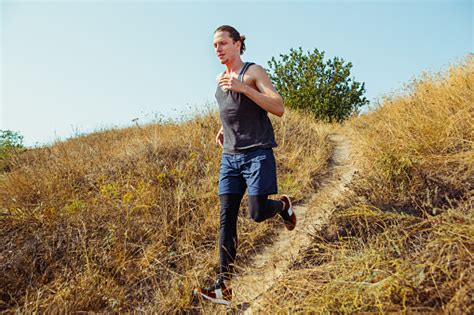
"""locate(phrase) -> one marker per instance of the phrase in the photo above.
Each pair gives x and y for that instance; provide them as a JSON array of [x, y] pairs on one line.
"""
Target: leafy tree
[[10, 142], [322, 89], [10, 139]]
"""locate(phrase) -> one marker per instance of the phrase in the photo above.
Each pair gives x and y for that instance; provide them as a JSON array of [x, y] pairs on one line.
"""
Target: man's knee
[[257, 217], [257, 207]]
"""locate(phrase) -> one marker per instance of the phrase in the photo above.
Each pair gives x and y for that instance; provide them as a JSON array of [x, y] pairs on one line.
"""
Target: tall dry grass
[[127, 219], [416, 151], [403, 239]]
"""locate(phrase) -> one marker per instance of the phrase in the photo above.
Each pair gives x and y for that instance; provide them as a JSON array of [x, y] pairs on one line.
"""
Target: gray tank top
[[246, 125]]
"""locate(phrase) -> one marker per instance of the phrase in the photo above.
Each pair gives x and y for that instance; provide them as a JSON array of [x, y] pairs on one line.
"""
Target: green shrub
[[10, 142], [322, 89]]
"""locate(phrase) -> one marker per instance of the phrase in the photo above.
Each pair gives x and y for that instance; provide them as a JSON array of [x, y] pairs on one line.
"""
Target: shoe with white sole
[[217, 293], [287, 214]]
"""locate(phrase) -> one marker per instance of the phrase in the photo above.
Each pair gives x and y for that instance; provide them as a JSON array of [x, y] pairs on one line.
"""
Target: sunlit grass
[[403, 239], [127, 219]]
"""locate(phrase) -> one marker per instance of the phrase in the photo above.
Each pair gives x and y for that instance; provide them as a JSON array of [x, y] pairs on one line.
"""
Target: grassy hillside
[[127, 219], [403, 239]]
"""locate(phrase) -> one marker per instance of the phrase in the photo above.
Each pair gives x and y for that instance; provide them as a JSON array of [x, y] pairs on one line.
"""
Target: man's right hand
[[220, 138]]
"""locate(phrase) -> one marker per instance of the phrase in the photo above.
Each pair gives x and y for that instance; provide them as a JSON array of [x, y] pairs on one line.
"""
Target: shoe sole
[[211, 299], [290, 226]]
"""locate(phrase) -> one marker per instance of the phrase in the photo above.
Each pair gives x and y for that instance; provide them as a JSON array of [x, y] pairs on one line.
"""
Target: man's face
[[224, 47]]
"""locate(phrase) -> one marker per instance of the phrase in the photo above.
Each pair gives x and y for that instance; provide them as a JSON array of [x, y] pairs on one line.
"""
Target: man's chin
[[223, 60]]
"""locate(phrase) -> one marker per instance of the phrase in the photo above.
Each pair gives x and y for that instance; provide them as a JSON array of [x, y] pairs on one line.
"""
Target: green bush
[[10, 142], [322, 89]]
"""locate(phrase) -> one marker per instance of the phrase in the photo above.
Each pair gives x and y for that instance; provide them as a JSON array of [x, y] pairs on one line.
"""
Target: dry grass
[[416, 150], [127, 219], [403, 239]]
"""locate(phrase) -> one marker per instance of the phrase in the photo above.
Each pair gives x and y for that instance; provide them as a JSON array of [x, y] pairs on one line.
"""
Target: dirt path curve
[[250, 285]]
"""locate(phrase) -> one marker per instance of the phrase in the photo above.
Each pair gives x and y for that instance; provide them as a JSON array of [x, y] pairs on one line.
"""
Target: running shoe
[[287, 214], [217, 293]]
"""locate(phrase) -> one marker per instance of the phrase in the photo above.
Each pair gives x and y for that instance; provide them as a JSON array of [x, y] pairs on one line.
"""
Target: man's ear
[[239, 44]]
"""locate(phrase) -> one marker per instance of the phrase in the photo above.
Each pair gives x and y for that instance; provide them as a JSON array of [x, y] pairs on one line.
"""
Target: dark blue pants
[[261, 208]]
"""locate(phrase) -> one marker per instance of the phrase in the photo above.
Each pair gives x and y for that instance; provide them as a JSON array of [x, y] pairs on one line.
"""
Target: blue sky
[[72, 67]]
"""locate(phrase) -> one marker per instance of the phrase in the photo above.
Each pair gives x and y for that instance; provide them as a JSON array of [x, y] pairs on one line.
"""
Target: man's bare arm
[[220, 136], [266, 96]]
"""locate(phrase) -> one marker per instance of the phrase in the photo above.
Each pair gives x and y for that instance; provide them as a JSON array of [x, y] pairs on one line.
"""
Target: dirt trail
[[250, 285]]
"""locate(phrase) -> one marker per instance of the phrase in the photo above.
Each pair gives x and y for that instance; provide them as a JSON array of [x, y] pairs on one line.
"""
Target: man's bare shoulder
[[259, 76], [256, 70]]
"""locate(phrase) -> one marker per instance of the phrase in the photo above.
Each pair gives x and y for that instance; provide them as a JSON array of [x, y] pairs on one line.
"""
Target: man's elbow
[[281, 112], [282, 109]]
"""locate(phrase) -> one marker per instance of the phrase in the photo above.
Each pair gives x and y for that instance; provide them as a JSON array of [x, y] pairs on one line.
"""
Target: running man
[[245, 95]]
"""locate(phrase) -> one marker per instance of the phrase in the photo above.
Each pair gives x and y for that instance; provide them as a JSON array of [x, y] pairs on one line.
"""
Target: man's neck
[[234, 66]]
